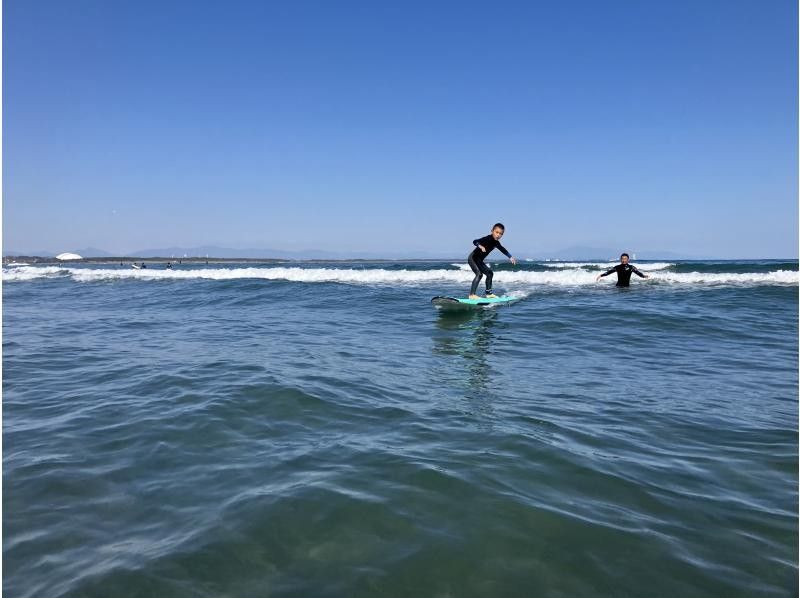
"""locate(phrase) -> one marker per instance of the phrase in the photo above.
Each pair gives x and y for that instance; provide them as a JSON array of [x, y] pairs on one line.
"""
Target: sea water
[[322, 430]]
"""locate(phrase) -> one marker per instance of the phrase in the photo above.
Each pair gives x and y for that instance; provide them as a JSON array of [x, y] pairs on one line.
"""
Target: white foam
[[606, 265], [23, 273], [717, 278], [570, 277]]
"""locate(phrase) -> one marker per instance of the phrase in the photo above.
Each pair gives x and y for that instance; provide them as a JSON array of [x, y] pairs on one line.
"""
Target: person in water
[[484, 247], [624, 271]]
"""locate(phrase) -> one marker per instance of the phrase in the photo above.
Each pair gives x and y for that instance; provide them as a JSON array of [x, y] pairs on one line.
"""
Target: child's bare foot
[[474, 297], [491, 296]]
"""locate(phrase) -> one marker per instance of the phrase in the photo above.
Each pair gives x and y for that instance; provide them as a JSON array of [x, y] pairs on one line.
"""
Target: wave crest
[[571, 277]]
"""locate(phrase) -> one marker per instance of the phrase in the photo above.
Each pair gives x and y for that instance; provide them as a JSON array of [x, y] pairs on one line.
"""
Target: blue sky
[[376, 126]]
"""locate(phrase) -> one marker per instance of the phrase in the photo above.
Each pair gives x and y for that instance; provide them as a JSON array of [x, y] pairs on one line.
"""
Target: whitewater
[[564, 275]]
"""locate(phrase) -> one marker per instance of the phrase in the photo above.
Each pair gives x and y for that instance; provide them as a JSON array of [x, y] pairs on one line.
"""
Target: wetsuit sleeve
[[636, 271], [610, 271], [503, 250]]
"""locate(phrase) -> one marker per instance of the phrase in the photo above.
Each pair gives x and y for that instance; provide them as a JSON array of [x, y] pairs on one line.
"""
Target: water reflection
[[468, 335]]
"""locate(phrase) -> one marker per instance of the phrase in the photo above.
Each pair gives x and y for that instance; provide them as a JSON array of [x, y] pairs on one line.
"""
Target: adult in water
[[624, 271], [483, 247]]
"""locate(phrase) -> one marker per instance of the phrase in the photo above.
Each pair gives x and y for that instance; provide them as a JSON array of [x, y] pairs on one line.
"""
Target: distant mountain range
[[596, 253], [570, 253], [86, 252], [308, 254], [228, 253]]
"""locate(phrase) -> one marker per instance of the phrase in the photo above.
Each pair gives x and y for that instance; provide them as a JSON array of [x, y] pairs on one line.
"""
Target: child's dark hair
[[625, 255], [499, 225]]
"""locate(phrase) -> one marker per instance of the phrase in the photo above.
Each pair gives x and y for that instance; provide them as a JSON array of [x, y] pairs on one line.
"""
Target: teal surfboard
[[463, 302]]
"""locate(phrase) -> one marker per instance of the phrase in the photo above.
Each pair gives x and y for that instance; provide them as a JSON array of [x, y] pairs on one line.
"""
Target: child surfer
[[484, 247]]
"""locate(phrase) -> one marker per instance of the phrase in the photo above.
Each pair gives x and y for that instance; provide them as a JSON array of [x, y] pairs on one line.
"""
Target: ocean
[[320, 429]]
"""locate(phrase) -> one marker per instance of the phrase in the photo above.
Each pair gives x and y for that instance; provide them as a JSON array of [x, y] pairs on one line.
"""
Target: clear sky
[[392, 126]]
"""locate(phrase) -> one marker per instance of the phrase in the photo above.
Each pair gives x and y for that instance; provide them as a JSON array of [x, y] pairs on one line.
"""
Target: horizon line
[[112, 258]]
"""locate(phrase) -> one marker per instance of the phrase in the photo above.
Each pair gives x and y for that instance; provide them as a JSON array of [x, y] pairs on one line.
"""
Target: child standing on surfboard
[[484, 247]]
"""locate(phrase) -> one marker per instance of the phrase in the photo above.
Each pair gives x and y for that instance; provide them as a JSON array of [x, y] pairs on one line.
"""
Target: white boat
[[68, 256]]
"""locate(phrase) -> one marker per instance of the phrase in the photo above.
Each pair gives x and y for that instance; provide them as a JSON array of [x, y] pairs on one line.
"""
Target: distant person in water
[[624, 271], [484, 247]]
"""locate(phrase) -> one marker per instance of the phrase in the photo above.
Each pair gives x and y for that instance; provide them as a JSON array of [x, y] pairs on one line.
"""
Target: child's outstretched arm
[[507, 254]]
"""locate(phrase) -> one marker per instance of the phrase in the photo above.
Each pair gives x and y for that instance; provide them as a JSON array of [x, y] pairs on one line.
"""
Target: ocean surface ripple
[[322, 430]]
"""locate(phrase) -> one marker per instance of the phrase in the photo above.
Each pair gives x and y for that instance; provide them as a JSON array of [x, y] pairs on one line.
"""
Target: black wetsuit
[[475, 261], [624, 272]]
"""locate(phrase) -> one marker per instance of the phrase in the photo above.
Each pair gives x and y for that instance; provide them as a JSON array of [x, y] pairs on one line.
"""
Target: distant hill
[[226, 252], [92, 252], [669, 255], [39, 253], [308, 254], [581, 253], [86, 252], [578, 253]]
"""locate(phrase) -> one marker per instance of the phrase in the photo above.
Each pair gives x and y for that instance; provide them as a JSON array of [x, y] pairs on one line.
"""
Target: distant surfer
[[624, 271], [484, 247]]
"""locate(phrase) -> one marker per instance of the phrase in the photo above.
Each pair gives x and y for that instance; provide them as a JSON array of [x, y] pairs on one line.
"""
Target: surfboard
[[463, 302]]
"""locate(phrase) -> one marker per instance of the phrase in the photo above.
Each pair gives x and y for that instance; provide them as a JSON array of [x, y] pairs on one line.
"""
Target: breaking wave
[[568, 276]]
